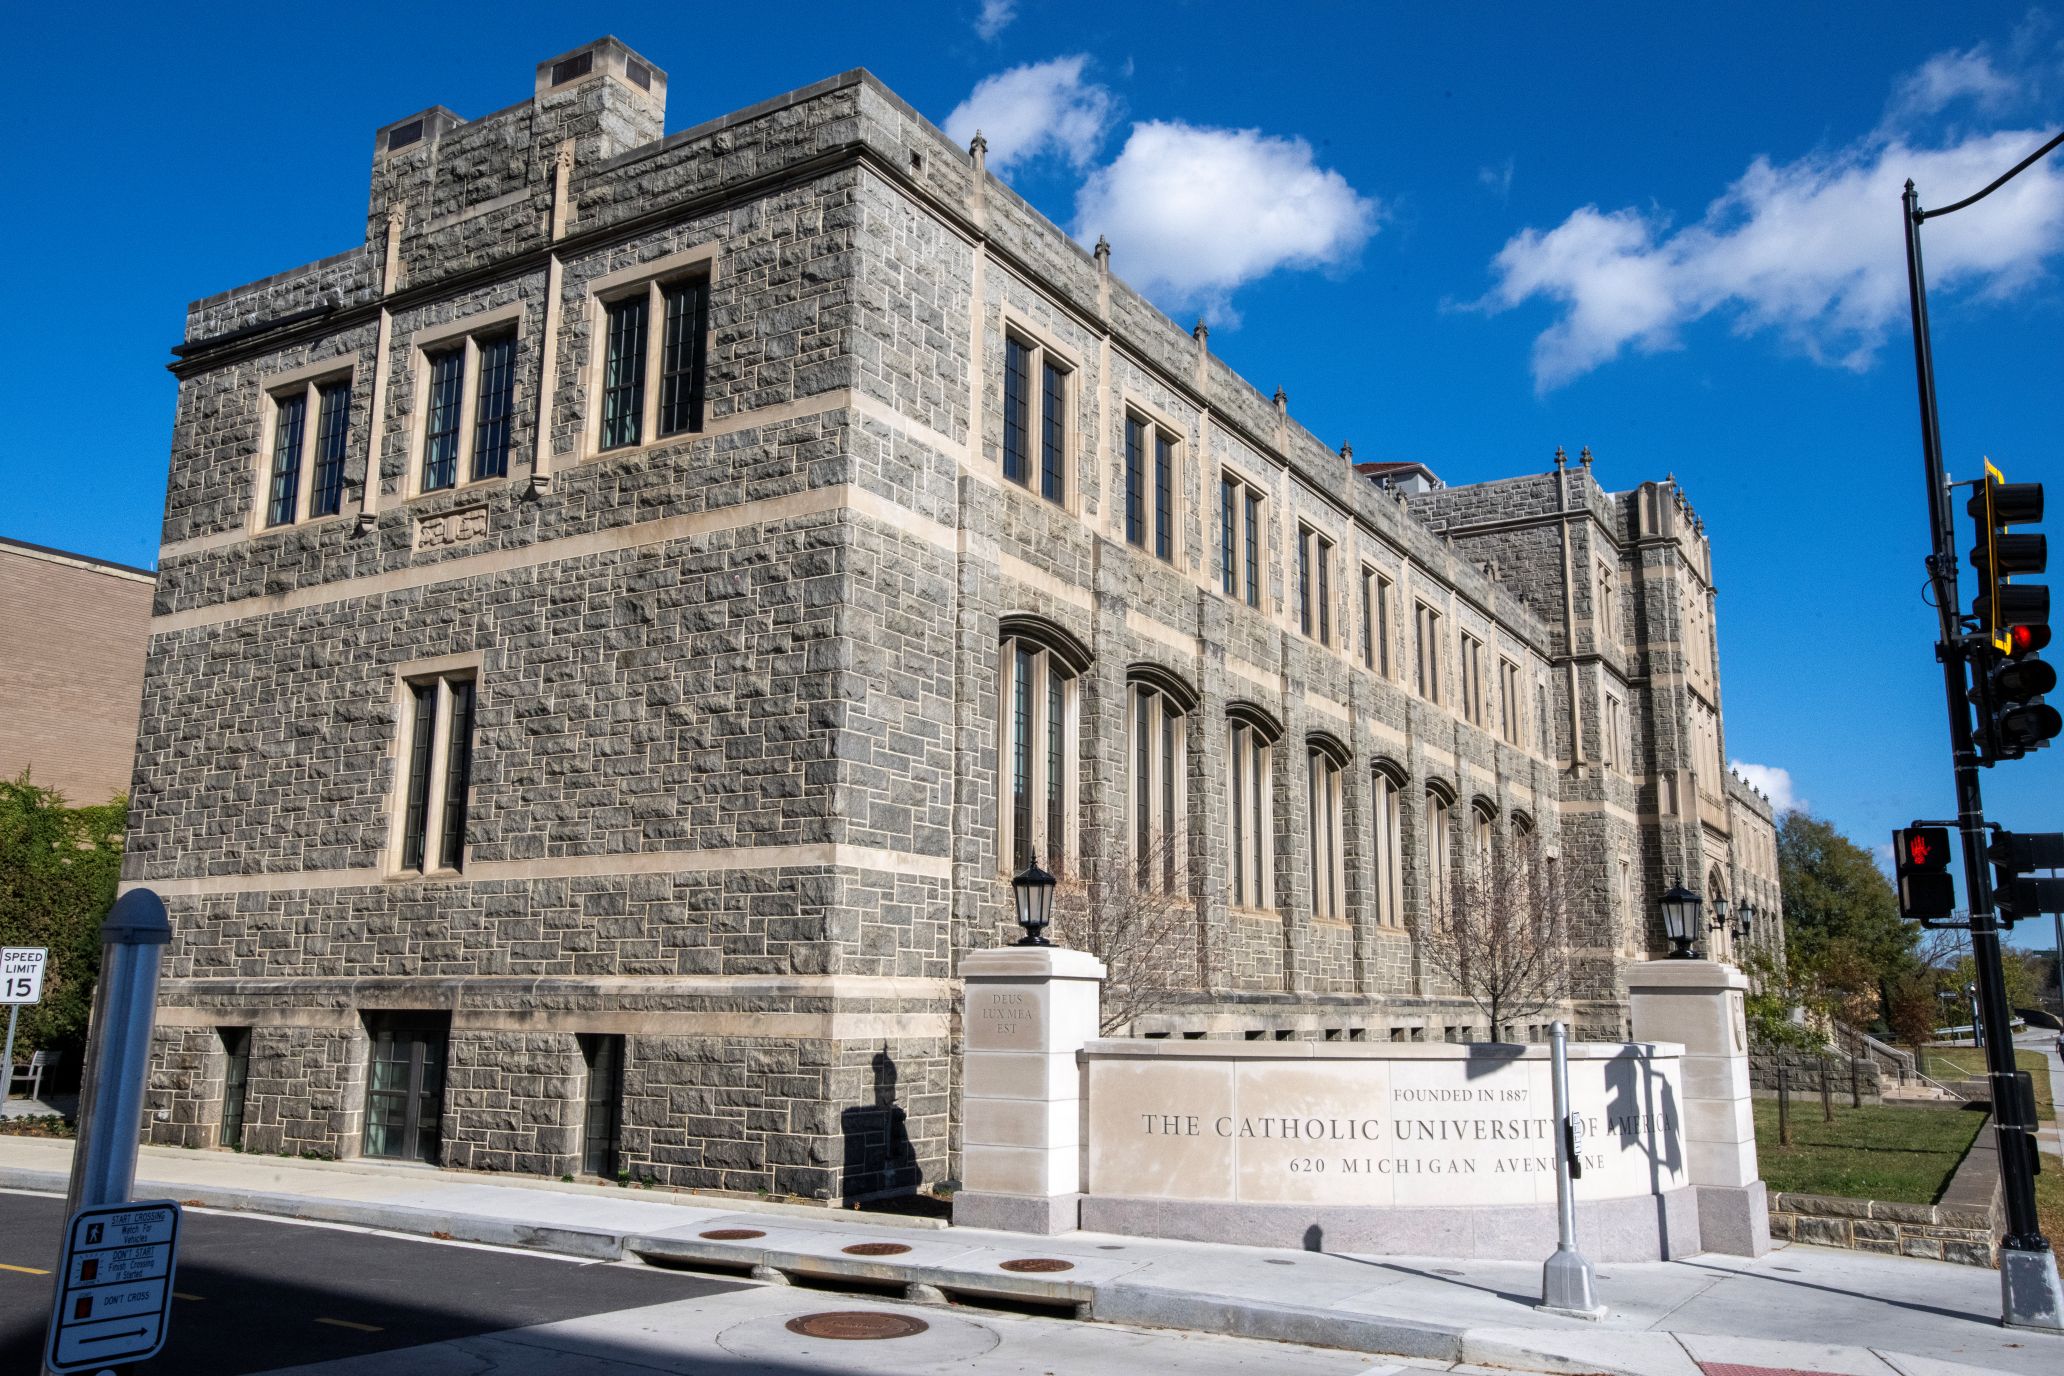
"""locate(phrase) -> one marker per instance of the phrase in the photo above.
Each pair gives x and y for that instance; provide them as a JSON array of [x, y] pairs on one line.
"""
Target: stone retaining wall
[[1963, 1226], [1804, 1071]]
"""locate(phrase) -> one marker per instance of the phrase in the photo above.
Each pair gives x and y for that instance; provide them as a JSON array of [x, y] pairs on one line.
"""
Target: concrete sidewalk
[[1799, 1309]]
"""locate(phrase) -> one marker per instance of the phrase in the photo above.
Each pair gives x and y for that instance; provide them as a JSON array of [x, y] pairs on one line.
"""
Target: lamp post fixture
[[1033, 890], [1745, 920], [1680, 919], [1720, 926]]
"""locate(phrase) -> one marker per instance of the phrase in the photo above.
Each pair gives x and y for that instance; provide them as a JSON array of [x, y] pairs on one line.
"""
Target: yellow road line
[[346, 1323], [25, 1270]]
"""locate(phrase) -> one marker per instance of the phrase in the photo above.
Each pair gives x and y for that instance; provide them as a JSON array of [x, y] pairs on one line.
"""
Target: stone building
[[622, 624], [72, 633]]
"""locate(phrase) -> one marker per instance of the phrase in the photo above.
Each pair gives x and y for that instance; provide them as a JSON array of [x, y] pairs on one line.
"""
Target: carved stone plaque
[[462, 527]]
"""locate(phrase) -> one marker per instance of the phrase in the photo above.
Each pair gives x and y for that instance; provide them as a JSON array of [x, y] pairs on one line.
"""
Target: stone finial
[[1584, 456], [1282, 402], [1561, 458], [978, 149], [1347, 451], [1200, 332], [1103, 254]]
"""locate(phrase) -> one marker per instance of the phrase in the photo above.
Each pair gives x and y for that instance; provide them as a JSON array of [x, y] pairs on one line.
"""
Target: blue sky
[[1462, 234]]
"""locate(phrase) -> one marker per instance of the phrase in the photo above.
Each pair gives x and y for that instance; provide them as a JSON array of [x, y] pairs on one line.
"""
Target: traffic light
[[2015, 891], [2008, 677], [1926, 892]]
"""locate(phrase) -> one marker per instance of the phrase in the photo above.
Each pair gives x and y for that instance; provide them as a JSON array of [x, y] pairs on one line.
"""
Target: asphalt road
[[255, 1294]]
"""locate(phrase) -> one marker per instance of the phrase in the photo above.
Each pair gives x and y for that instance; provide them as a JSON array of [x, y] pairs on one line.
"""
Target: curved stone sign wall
[[1444, 1149]]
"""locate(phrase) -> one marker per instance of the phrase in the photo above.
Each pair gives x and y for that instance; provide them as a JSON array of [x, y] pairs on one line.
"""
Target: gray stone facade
[[739, 757]]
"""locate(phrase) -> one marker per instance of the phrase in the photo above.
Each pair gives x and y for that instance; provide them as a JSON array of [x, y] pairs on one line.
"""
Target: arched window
[[1041, 667], [1323, 760], [1158, 720], [1440, 840], [1481, 826], [1253, 734], [1388, 846]]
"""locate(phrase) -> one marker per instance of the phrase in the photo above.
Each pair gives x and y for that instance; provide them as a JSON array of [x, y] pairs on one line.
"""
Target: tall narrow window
[[1428, 650], [1239, 540], [494, 402], [1252, 819], [681, 363], [1253, 548], [1509, 699], [1368, 619], [623, 372], [1135, 482], [602, 1124], [289, 423], [1228, 537], [1608, 605], [332, 430], [1035, 414], [1157, 745], [1304, 587], [1383, 631], [1322, 558], [236, 1078], [1480, 831], [439, 760], [1322, 789], [1164, 496], [1017, 396], [1439, 852], [1471, 679], [1040, 779], [1053, 467], [1388, 850], [441, 419]]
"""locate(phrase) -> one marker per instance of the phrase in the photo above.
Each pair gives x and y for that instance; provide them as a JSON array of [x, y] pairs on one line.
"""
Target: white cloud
[[1811, 249], [995, 17], [1773, 782], [1194, 212], [1042, 107], [1947, 78], [1497, 179]]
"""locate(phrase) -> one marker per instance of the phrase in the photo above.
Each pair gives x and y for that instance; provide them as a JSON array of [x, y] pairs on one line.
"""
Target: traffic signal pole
[[2030, 1294]]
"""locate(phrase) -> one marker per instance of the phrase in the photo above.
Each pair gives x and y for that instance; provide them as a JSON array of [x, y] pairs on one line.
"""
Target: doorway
[[405, 1085]]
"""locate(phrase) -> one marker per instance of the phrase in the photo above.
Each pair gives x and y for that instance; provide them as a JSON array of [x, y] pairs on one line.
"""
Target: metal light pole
[[2030, 1294], [111, 1090], [1567, 1279]]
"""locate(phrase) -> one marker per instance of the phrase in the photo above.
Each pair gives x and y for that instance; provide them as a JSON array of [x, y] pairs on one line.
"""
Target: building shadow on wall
[[878, 1159]]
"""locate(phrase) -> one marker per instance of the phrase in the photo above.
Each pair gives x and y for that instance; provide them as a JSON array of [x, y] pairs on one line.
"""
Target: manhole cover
[[1037, 1264], [875, 1249], [731, 1234], [856, 1325]]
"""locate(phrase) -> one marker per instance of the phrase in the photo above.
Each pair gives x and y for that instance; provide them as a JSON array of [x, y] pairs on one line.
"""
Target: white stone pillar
[[1026, 1012], [1699, 1004]]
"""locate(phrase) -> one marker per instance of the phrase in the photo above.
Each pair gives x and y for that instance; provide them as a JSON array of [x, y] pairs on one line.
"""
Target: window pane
[[415, 819], [1164, 497], [286, 459], [623, 373], [1239, 820], [1135, 484], [1228, 571], [1021, 761], [1168, 762], [332, 433], [1322, 550], [1253, 550], [493, 406], [1383, 627], [602, 1131], [682, 358], [1056, 768], [1053, 483], [1304, 589], [441, 422], [1368, 622], [458, 773], [1142, 783], [1017, 394]]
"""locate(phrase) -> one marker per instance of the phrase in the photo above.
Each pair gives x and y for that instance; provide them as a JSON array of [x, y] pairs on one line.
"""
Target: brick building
[[778, 532], [72, 635]]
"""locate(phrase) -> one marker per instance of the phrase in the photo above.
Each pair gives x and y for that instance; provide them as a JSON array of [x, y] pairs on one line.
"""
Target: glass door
[[601, 1134], [405, 1086], [236, 1046]]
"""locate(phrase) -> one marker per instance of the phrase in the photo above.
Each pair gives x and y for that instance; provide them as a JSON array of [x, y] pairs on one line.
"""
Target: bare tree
[[1140, 919], [1501, 937]]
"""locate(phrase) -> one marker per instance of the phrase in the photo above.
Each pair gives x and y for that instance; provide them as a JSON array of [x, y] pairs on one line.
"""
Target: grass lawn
[[1899, 1155], [1958, 1061]]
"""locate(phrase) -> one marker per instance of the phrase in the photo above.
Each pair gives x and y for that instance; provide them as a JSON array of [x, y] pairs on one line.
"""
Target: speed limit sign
[[21, 974]]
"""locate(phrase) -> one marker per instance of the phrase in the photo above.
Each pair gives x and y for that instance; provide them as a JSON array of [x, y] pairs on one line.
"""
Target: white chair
[[39, 1062]]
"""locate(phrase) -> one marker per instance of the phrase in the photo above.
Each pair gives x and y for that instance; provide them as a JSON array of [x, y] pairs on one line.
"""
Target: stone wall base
[[1651, 1228], [1044, 1215], [1734, 1219]]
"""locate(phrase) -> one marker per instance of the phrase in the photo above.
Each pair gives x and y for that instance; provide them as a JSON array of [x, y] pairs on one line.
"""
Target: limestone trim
[[814, 855], [430, 336]]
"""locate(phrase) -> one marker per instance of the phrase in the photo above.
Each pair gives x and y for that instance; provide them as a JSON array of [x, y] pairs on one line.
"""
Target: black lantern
[[1680, 919], [1033, 891], [1745, 919]]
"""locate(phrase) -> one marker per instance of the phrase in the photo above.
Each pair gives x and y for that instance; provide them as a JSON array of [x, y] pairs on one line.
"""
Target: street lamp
[[1033, 891], [1720, 923], [1746, 918], [1680, 919]]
